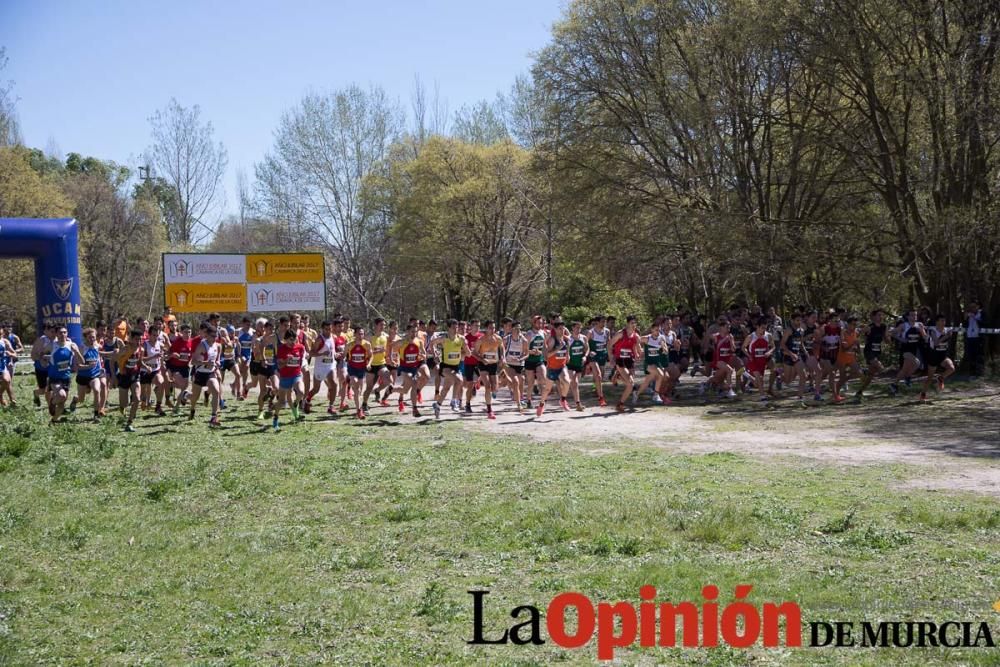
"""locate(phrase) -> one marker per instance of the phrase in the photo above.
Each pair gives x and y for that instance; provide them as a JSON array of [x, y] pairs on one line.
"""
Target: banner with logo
[[233, 283], [204, 269], [268, 297], [205, 298]]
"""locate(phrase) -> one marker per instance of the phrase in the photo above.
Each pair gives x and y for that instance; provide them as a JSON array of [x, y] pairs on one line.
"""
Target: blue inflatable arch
[[52, 244]]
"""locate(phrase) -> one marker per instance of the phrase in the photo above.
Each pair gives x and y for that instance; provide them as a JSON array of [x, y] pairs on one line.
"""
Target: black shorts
[[146, 377], [872, 356], [126, 380], [183, 371], [935, 357], [267, 371], [409, 370], [56, 385], [627, 364], [517, 370], [375, 370], [470, 371], [432, 363], [255, 368], [489, 369], [575, 369], [228, 364], [530, 365], [788, 360], [673, 357], [201, 379], [84, 381], [450, 367], [708, 356], [41, 378]]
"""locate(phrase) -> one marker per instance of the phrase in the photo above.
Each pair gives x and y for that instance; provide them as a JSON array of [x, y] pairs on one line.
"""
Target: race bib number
[[625, 354], [454, 356], [327, 360], [411, 358], [358, 357], [490, 356]]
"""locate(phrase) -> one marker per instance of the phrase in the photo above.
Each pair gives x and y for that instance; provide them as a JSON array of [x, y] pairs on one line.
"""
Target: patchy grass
[[345, 543]]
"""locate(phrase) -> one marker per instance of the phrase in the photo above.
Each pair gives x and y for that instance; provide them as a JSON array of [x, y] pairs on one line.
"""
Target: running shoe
[[657, 399], [160, 412], [893, 388], [468, 409], [730, 394], [909, 382], [402, 408], [579, 407], [360, 414], [540, 409], [620, 407], [490, 415], [260, 416], [129, 428], [702, 388], [437, 409], [307, 407], [384, 402], [416, 413], [275, 426], [564, 404], [214, 422], [940, 383], [601, 402], [37, 401], [330, 410]]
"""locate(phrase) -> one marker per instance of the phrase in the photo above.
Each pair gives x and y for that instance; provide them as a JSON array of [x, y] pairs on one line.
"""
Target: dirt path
[[955, 438]]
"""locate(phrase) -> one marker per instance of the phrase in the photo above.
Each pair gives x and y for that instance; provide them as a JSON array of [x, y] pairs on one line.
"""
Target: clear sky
[[88, 75]]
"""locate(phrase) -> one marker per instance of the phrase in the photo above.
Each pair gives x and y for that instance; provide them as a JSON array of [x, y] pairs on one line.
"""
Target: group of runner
[[165, 364]]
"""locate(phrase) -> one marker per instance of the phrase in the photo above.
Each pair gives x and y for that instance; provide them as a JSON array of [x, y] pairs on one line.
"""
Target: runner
[[433, 354], [41, 353], [90, 375], [876, 336], [723, 363], [811, 346], [324, 354], [291, 358], [413, 357], [230, 362], [15, 349], [515, 347], [759, 348], [7, 359], [939, 337], [470, 369], [676, 358], [245, 339], [831, 348], [452, 348], [129, 363], [488, 352], [150, 379], [847, 359], [625, 347], [598, 336], [379, 342], [265, 353], [534, 365], [911, 335], [579, 352], [205, 360], [556, 356], [359, 358], [793, 355], [653, 346]]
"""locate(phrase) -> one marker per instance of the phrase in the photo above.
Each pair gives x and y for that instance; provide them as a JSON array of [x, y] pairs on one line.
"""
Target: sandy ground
[[953, 440]]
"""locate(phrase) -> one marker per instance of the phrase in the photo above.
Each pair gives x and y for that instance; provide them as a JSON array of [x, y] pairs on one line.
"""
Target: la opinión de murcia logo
[[707, 624]]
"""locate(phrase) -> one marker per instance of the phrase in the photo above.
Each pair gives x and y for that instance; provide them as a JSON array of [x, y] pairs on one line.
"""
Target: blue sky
[[88, 75]]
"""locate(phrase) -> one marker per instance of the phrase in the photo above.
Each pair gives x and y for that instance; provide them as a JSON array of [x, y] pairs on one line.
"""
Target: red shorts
[[757, 366]]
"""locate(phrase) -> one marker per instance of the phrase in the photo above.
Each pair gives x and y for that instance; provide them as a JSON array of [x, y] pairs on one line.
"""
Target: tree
[[313, 180], [10, 133], [187, 159], [464, 222]]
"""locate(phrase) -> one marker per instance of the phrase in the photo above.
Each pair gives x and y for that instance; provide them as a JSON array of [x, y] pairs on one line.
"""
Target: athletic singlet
[[246, 344], [625, 346], [794, 342], [724, 351], [108, 347], [556, 359], [849, 340], [228, 350], [939, 340], [490, 352], [759, 345], [183, 349], [207, 365], [576, 349], [809, 339], [324, 355], [153, 352], [130, 364], [873, 341], [339, 347], [684, 333], [62, 360], [379, 343], [431, 347], [831, 337], [452, 351], [392, 353], [269, 352], [599, 340], [911, 338], [294, 356], [93, 369], [652, 349], [3, 355], [536, 345], [471, 339], [356, 357], [514, 350], [42, 363], [411, 354]]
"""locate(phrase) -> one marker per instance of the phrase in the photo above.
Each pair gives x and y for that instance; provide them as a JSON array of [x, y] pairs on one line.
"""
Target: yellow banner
[[202, 298], [285, 268]]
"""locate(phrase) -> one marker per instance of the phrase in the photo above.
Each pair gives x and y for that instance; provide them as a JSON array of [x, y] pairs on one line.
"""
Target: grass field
[[342, 542]]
